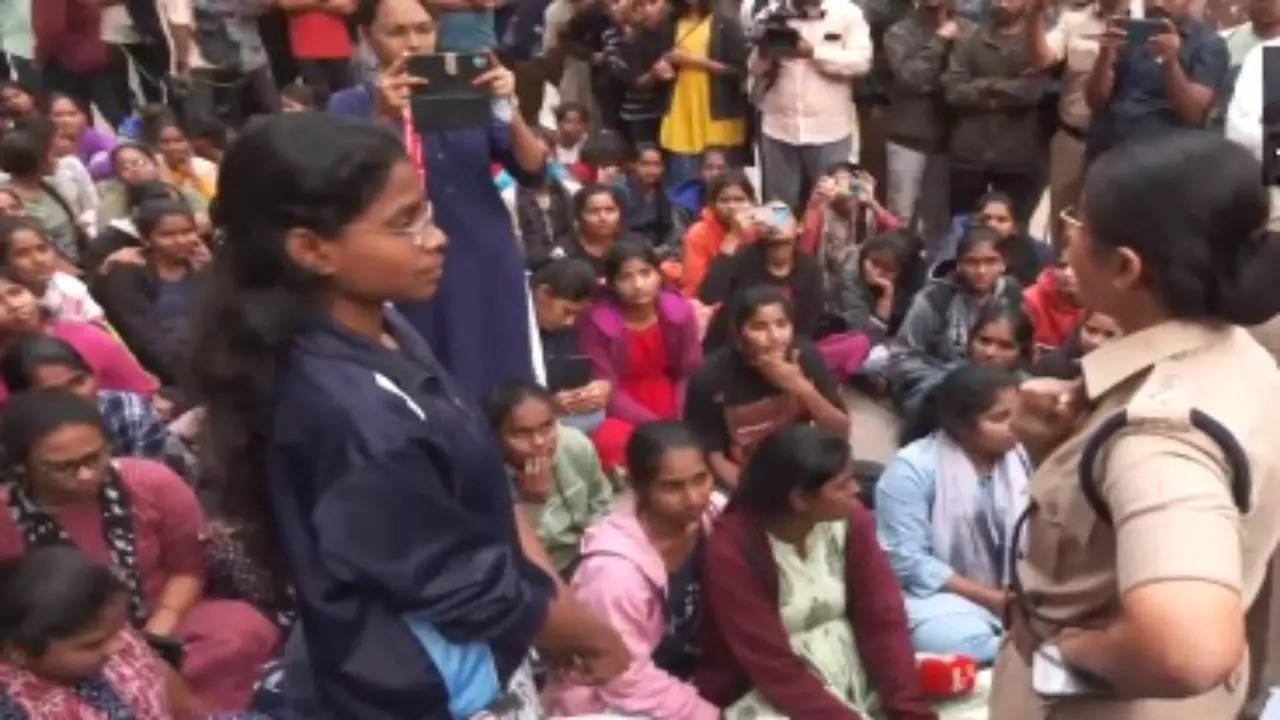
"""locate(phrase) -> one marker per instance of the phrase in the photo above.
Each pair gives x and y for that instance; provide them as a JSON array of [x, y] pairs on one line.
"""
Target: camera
[[772, 32]]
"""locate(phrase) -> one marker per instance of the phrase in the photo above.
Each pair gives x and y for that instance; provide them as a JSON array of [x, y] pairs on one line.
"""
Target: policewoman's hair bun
[[1193, 206]]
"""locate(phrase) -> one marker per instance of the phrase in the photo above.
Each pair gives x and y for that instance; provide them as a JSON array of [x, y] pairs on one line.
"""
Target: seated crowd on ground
[[659, 305]]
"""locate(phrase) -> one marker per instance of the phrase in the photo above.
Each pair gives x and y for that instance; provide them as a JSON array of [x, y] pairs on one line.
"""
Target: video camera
[[772, 32]]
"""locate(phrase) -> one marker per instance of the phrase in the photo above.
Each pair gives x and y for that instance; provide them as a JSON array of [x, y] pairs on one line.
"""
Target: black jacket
[[728, 46], [995, 105], [128, 294], [917, 57]]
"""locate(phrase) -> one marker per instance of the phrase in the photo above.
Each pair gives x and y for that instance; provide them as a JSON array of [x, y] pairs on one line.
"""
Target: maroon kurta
[[227, 641]]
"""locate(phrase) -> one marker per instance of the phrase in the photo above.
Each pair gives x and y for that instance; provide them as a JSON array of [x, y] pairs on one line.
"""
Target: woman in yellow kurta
[[707, 106]]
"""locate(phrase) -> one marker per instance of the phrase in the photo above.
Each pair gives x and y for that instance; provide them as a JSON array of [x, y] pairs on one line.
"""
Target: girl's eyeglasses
[[1070, 217]]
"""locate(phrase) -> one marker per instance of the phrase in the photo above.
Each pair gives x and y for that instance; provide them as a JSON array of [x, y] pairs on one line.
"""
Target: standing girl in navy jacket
[[346, 450]]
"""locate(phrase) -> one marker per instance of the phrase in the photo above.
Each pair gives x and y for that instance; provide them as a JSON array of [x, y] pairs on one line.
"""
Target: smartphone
[[1139, 30], [1051, 677], [774, 215], [449, 100]]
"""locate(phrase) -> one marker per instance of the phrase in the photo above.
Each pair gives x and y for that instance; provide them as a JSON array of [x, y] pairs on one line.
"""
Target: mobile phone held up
[[449, 100], [1139, 30]]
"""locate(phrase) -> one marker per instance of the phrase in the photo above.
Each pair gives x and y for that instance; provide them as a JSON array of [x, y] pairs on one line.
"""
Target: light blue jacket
[[904, 506]]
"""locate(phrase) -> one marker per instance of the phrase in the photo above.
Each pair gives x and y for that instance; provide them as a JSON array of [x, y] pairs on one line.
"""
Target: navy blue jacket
[[389, 497]]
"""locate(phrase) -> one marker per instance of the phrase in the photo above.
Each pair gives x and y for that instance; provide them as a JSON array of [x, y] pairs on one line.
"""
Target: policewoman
[[1153, 510]]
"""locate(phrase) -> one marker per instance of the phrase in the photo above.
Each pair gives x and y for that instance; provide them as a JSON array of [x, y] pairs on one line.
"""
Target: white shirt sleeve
[[1244, 113]]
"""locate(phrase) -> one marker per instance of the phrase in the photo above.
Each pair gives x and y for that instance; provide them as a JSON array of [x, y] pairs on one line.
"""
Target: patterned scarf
[[39, 528]]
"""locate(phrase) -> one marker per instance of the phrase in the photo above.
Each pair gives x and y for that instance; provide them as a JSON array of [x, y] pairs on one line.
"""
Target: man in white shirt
[[805, 95], [1244, 114]]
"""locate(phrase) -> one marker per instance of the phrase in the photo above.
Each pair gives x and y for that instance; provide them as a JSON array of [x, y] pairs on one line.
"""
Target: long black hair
[[297, 170], [795, 457], [954, 404], [1204, 246], [51, 593]]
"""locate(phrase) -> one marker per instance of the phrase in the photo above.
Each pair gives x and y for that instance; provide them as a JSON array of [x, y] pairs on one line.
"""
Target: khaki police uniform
[[1168, 490]]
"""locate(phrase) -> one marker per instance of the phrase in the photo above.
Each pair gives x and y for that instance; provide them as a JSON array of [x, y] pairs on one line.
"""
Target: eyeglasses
[[135, 163], [1070, 218], [416, 232], [68, 469]]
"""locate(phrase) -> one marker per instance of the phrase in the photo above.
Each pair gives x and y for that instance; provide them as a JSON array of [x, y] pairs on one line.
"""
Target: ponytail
[[307, 171]]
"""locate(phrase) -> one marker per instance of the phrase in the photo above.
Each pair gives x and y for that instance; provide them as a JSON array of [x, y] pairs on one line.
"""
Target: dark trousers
[[968, 186], [872, 142], [97, 87], [151, 61], [326, 76], [638, 131], [229, 96], [23, 70]]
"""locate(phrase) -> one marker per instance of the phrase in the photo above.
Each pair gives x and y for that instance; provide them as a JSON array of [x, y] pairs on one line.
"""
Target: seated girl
[[554, 470], [1024, 256], [722, 228], [151, 304], [1053, 305], [771, 260], [946, 507], [543, 214], [641, 569], [1064, 362], [935, 331], [842, 213], [132, 165], [649, 210], [67, 648], [119, 241], [874, 286], [114, 367], [141, 519], [690, 196], [643, 340], [1002, 338], [804, 616], [560, 290], [28, 257], [132, 425], [179, 163], [766, 378], [597, 211]]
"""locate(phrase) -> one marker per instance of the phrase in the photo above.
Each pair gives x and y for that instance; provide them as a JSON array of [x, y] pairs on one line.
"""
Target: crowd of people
[[314, 407]]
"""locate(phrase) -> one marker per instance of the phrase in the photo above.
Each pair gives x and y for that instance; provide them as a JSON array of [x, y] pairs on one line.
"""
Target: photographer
[[1170, 80], [806, 54], [842, 213]]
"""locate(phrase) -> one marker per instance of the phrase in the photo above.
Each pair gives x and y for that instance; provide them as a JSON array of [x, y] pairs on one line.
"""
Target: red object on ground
[[946, 676]]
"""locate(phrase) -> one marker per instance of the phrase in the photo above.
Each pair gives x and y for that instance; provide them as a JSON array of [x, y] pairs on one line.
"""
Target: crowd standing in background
[[472, 359]]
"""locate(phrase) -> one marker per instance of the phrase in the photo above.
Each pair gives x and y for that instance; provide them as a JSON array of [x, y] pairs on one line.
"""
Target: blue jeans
[[956, 625], [681, 168]]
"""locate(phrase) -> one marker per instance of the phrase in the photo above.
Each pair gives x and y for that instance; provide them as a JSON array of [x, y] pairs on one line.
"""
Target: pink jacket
[[623, 579]]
